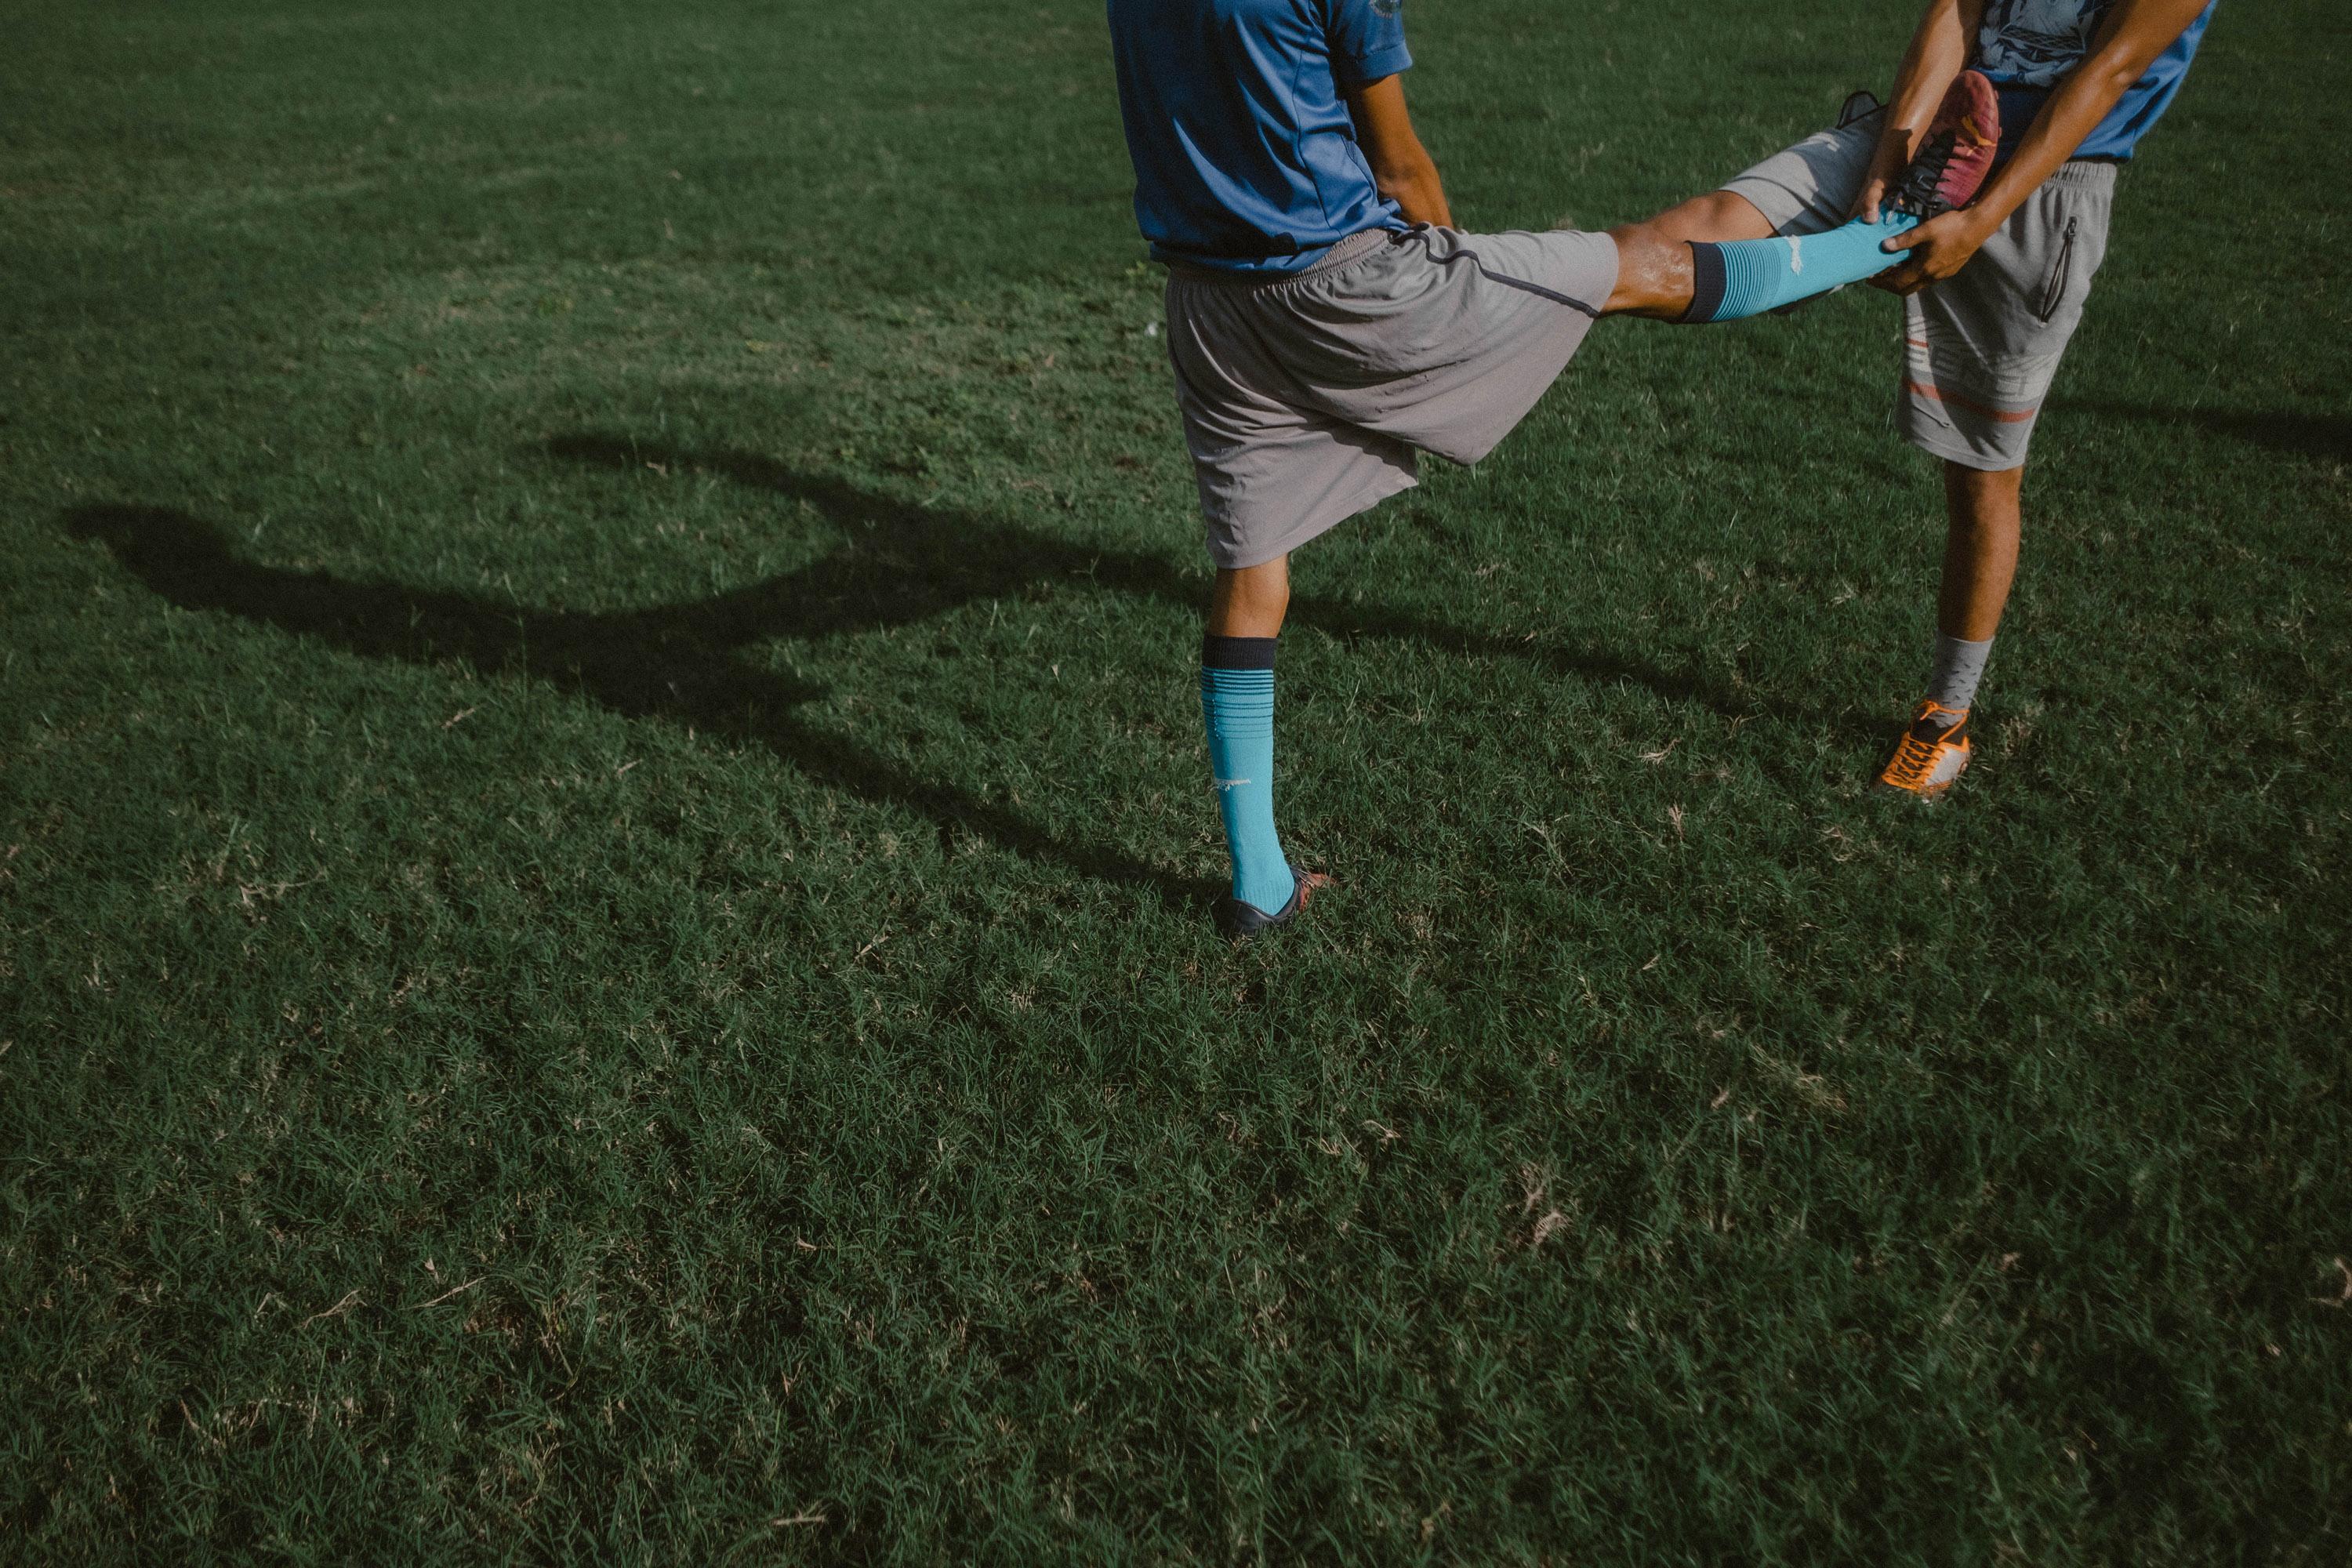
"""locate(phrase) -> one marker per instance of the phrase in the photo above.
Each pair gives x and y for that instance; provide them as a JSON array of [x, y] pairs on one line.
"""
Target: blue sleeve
[[1367, 40]]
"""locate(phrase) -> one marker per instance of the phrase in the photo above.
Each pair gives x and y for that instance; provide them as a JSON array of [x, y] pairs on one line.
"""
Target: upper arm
[[1367, 41], [1383, 128], [2135, 31]]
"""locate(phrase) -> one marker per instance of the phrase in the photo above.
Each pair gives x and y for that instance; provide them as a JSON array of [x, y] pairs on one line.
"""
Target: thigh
[[1982, 347], [1809, 188], [1271, 482], [1273, 469], [1450, 338]]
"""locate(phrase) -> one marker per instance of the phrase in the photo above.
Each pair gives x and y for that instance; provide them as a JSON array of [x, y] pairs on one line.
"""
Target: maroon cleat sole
[[1956, 156]]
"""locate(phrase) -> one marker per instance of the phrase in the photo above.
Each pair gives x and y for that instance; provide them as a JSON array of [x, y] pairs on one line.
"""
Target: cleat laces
[[1913, 766], [1914, 759], [1916, 194]]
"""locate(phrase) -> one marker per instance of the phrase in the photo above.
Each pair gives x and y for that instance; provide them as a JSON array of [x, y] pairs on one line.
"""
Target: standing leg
[[1979, 562], [1982, 346], [1237, 706], [1983, 524], [1250, 602], [1984, 521]]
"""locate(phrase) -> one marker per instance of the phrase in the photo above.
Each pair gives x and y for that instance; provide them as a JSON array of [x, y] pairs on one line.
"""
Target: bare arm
[[1938, 51], [2129, 41], [1402, 166]]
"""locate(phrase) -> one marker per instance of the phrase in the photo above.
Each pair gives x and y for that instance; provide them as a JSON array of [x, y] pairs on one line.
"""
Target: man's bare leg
[[1717, 216], [1654, 257], [1653, 275], [1252, 601], [1984, 519]]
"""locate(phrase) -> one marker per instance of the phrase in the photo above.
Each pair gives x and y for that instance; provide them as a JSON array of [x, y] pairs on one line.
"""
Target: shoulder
[[1368, 39]]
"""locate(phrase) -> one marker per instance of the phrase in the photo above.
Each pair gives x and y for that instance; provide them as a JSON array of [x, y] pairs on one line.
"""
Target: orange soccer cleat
[[1931, 754]]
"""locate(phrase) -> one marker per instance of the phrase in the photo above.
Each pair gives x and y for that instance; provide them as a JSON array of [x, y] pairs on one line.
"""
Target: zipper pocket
[[2057, 290]]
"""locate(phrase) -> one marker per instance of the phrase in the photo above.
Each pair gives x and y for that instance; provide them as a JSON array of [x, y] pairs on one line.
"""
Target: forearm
[[1418, 193], [2068, 116], [1939, 52], [2133, 34], [1401, 167]]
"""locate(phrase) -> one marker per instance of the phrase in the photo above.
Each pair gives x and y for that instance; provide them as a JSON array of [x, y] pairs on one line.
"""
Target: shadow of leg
[[668, 664], [905, 563]]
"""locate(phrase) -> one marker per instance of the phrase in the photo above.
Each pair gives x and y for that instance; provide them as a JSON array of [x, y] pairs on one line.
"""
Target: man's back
[[1237, 117]]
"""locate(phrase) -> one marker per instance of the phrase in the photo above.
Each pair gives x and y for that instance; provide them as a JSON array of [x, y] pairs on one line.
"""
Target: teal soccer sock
[[1237, 704], [1740, 277]]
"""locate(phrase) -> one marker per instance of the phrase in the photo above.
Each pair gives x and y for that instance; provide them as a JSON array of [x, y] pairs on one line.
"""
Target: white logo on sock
[[1796, 254], [1229, 783]]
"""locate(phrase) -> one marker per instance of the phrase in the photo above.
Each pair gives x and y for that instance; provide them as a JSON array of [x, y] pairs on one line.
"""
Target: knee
[[1980, 489], [1251, 600], [1717, 216], [1264, 585], [1984, 497]]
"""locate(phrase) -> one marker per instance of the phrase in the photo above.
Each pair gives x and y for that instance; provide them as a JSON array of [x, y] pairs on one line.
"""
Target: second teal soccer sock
[[1736, 278], [1237, 704]]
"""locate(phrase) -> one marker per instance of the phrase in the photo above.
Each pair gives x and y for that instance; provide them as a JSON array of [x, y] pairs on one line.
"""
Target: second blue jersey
[[2025, 46], [1237, 117]]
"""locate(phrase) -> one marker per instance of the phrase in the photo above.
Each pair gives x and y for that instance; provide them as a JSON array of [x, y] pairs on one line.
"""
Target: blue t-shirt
[[2024, 47], [1245, 156]]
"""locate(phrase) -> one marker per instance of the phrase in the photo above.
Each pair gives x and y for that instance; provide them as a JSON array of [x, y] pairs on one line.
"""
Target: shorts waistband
[[1355, 247], [2087, 171]]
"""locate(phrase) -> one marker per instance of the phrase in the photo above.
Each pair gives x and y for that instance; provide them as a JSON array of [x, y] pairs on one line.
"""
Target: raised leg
[[1717, 216], [1658, 274], [1653, 274]]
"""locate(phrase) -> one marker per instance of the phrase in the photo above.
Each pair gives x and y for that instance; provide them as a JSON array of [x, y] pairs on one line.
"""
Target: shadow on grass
[[676, 662], [2327, 437], [906, 562], [673, 663]]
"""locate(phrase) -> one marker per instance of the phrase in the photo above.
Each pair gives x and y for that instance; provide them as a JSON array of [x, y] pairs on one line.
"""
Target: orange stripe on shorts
[[2005, 416]]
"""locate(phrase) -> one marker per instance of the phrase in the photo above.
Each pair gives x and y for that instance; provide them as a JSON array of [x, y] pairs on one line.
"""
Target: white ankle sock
[[1959, 665]]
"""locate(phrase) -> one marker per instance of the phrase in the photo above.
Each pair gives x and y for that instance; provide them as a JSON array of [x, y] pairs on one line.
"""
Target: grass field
[[604, 850]]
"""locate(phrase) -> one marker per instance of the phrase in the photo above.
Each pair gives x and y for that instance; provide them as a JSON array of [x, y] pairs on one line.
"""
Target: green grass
[[603, 844]]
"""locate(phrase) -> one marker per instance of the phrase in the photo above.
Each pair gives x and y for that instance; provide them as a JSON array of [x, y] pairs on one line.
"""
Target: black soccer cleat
[[1237, 919]]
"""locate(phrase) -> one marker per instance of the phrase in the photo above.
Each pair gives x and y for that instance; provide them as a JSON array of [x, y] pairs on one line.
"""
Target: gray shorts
[[1306, 398], [1980, 347]]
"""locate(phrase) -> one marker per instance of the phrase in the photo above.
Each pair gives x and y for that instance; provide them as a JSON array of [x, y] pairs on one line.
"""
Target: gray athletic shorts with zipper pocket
[[1306, 396], [1981, 346]]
